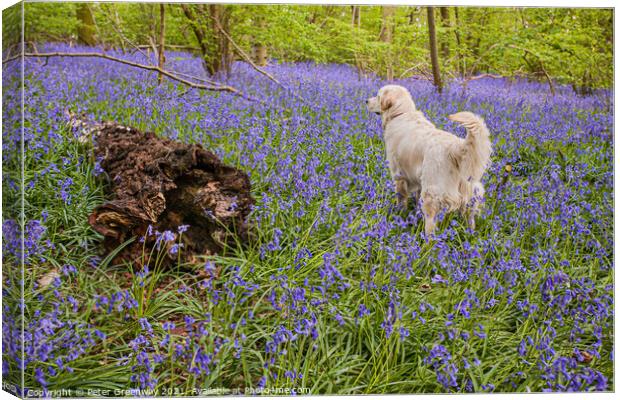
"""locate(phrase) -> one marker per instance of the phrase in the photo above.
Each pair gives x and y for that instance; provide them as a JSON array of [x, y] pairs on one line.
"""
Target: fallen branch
[[170, 46], [137, 48], [248, 59], [420, 71], [217, 88], [475, 78], [405, 72]]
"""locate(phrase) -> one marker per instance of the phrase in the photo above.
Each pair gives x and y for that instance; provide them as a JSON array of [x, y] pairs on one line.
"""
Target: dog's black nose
[[367, 101]]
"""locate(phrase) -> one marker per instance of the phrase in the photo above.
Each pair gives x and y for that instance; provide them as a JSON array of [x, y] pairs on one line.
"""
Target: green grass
[[354, 356]]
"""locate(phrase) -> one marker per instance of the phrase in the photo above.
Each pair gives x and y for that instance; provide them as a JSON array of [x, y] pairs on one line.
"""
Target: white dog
[[436, 166]]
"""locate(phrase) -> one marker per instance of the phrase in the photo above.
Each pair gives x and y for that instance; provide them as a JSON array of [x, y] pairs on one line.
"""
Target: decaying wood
[[165, 184]]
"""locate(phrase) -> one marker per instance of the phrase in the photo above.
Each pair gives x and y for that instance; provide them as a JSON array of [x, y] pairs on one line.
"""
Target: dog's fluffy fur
[[441, 169]]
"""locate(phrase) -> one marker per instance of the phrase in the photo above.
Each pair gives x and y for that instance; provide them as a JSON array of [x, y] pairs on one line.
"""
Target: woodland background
[[556, 45]]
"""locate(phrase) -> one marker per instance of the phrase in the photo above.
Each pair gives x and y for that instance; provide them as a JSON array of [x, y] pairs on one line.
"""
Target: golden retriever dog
[[439, 168]]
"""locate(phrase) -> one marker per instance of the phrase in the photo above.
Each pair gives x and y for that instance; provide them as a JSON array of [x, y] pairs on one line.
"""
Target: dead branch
[[540, 63], [472, 69], [170, 46], [170, 75], [248, 59], [243, 54], [117, 28], [193, 77], [418, 68], [475, 78], [465, 81]]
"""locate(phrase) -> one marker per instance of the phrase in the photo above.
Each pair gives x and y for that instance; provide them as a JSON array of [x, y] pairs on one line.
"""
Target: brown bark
[[86, 25], [162, 38], [433, 47], [162, 184], [214, 47], [260, 49], [387, 31], [260, 55], [199, 32], [356, 18], [387, 23], [445, 23], [457, 36], [222, 59]]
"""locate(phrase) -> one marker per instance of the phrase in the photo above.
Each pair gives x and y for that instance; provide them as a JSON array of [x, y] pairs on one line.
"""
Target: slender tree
[[445, 24], [355, 16], [223, 57], [387, 23], [459, 46], [162, 37], [260, 49], [199, 32], [387, 31], [433, 47], [86, 25]]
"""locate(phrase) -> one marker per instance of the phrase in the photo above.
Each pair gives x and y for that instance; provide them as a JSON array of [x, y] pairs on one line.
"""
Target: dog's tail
[[474, 154]]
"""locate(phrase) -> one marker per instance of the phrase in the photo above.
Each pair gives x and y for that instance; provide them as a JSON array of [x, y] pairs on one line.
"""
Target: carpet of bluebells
[[338, 291]]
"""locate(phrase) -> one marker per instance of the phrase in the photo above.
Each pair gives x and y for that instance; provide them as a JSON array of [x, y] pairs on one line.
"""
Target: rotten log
[[158, 184]]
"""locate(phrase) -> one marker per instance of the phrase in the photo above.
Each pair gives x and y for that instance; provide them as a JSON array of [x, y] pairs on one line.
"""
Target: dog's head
[[390, 102]]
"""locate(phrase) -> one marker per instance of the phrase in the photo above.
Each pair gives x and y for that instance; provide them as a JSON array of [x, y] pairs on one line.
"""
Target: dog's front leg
[[430, 208]]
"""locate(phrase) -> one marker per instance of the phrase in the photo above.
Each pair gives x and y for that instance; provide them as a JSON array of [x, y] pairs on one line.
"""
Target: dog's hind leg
[[472, 209], [415, 189], [402, 190], [470, 215]]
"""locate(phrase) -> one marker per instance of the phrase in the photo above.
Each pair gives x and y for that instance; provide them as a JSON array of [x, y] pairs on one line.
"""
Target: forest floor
[[338, 292]]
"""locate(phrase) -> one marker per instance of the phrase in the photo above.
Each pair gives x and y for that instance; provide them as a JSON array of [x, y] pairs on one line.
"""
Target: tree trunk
[[223, 57], [475, 46], [160, 184], [199, 33], [216, 54], [356, 16], [445, 23], [433, 47], [260, 55], [86, 25], [162, 37], [260, 50], [387, 31], [387, 23], [457, 35], [215, 11]]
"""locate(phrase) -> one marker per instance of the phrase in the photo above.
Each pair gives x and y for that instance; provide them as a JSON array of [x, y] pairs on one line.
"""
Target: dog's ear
[[387, 100]]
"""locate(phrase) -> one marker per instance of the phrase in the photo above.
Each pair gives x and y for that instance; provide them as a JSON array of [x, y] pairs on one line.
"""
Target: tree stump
[[158, 184]]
